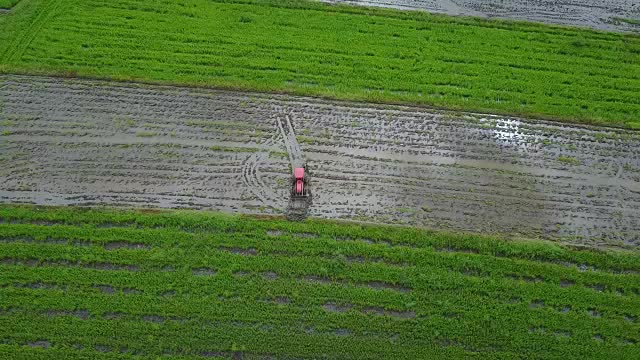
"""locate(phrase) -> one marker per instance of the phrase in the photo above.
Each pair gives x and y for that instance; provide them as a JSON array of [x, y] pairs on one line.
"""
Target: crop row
[[188, 284], [172, 227], [336, 51]]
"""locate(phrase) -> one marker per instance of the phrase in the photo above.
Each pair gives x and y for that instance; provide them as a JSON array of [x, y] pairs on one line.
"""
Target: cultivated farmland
[[598, 14], [356, 53], [488, 170], [71, 142], [101, 284]]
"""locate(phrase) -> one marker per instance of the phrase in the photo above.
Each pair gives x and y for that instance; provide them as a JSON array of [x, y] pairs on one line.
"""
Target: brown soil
[[80, 142], [597, 14]]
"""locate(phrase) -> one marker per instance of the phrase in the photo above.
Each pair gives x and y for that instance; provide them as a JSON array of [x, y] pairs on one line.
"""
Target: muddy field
[[603, 14], [90, 143]]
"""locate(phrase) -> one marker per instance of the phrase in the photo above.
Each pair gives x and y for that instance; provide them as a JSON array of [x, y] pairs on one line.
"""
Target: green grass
[[146, 134], [233, 149], [627, 20], [107, 283], [339, 52], [569, 160], [8, 4]]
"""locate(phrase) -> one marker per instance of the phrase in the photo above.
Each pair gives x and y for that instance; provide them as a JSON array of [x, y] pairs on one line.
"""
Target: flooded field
[[604, 15], [87, 142]]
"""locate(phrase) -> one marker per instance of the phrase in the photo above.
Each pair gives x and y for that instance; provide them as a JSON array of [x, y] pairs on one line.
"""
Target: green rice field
[[107, 284], [8, 4], [342, 52]]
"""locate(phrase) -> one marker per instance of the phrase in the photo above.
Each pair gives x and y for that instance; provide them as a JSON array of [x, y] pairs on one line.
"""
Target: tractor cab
[[299, 183]]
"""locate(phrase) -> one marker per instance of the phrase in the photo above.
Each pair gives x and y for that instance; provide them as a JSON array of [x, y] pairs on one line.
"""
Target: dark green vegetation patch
[[102, 284], [334, 51], [8, 4]]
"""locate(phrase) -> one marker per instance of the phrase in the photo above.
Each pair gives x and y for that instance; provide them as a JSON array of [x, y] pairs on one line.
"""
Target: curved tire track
[[95, 142], [252, 178]]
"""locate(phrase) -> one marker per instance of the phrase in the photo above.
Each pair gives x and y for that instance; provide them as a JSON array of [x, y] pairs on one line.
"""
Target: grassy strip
[[122, 222], [627, 20], [340, 52], [93, 283]]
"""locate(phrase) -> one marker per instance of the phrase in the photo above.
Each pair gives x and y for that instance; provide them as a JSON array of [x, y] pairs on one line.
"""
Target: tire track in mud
[[297, 208], [252, 178], [140, 147], [290, 142], [91, 143]]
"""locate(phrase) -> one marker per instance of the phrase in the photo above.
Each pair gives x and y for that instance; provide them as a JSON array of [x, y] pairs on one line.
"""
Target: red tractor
[[299, 183]]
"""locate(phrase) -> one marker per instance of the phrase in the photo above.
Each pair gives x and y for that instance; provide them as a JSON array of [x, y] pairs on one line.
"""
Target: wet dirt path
[[597, 14], [87, 142]]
